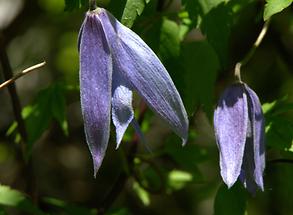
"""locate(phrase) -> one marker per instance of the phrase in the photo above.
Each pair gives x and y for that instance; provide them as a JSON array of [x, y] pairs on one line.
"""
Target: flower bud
[[239, 131]]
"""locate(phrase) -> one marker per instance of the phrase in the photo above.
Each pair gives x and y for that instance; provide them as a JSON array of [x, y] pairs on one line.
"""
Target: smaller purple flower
[[114, 62], [239, 130]]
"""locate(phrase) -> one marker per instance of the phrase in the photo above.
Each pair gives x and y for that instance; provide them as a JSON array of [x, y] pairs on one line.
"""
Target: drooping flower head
[[114, 61], [239, 129]]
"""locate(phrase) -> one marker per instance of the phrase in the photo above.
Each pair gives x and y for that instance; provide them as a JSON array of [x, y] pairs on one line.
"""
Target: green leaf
[[169, 50], [279, 133], [201, 65], [208, 5], [16, 199], [132, 9], [275, 6], [216, 25], [10, 197], [279, 124], [49, 105], [230, 201], [218, 18], [169, 39], [58, 106], [277, 107], [142, 194], [193, 9], [178, 179], [69, 208], [267, 107]]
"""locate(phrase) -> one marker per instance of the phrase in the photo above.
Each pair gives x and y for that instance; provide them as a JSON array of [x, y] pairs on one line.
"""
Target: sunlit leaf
[[142, 194], [208, 5], [275, 6], [178, 179], [193, 9], [268, 106], [16, 199], [133, 8], [169, 39]]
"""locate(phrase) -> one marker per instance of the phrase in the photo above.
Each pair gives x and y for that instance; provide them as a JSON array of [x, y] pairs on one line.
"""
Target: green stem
[[249, 55], [92, 5]]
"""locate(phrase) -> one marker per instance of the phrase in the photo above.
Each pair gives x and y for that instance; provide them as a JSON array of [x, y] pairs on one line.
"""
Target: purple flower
[[114, 61], [239, 128]]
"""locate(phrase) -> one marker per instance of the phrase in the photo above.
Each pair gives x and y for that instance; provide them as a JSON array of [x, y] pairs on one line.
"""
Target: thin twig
[[248, 56], [22, 73], [282, 160]]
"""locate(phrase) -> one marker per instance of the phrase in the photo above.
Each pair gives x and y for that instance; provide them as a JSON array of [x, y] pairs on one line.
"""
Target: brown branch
[[7, 72], [22, 73], [248, 56], [27, 168]]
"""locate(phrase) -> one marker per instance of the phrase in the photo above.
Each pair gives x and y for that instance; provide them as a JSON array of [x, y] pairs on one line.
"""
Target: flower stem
[[249, 55], [92, 5]]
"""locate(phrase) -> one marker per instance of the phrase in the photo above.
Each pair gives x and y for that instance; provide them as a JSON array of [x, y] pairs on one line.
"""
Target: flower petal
[[95, 87], [248, 166], [146, 74], [258, 136], [230, 122], [80, 35], [122, 111]]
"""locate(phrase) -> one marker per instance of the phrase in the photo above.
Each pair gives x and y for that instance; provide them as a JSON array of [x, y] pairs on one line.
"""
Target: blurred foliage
[[132, 9], [14, 198], [74, 4], [279, 129], [48, 105], [275, 6], [199, 42], [230, 202]]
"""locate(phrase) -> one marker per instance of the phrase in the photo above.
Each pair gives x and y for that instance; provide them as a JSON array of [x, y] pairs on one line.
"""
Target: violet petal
[[122, 111], [145, 73], [79, 36], [230, 122], [95, 87], [258, 136]]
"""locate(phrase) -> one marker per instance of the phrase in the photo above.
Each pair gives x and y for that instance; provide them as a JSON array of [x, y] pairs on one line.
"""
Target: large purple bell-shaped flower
[[114, 62]]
